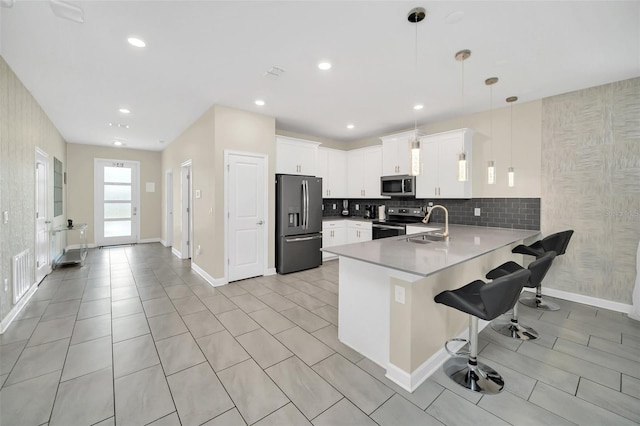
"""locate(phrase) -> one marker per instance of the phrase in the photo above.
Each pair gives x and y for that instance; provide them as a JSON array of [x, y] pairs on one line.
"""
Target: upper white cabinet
[[396, 153], [364, 171], [296, 156], [332, 168], [439, 171]]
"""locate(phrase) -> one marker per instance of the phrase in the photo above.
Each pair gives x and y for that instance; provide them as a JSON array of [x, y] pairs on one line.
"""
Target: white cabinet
[[358, 232], [396, 153], [334, 233], [296, 156], [363, 172], [439, 171], [332, 168]]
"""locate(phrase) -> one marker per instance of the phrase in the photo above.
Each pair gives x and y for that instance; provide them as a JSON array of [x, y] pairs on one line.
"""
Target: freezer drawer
[[298, 253]]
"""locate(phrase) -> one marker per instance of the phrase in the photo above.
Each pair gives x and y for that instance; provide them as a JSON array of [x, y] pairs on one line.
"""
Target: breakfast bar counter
[[387, 286]]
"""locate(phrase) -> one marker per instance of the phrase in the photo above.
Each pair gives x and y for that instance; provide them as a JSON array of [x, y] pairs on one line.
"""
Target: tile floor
[[135, 337]]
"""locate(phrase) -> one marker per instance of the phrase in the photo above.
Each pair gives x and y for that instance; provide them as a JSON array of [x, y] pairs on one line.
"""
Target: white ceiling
[[201, 53]]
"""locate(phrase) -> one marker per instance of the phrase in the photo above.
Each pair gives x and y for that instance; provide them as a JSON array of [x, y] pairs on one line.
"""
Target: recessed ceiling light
[[418, 106], [136, 42], [117, 143], [124, 110], [259, 102], [324, 66], [350, 126]]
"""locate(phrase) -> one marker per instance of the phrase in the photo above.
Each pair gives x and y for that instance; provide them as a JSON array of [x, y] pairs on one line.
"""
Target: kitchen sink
[[424, 238]]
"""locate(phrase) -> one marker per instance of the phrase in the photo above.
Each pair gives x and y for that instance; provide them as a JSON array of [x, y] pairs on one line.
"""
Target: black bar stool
[[557, 242], [538, 269], [486, 301]]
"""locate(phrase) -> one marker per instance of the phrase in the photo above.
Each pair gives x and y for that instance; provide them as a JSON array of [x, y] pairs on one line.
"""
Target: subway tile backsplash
[[515, 213]]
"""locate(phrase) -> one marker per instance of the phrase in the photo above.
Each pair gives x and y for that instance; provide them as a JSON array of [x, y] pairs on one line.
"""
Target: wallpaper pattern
[[23, 127], [591, 183]]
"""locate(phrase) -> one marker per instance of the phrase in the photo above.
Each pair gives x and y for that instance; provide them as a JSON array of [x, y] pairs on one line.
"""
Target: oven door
[[385, 231]]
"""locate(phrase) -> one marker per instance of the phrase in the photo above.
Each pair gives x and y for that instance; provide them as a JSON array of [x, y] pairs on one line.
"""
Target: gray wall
[[591, 183]]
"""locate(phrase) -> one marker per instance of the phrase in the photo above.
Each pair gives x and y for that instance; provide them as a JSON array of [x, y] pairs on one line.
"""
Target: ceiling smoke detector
[[274, 72]]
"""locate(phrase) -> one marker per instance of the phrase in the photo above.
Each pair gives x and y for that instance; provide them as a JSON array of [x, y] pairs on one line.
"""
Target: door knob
[[260, 223]]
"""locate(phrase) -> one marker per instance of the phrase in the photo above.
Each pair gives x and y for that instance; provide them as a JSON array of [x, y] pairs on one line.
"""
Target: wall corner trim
[[270, 271], [215, 282], [17, 308], [176, 252]]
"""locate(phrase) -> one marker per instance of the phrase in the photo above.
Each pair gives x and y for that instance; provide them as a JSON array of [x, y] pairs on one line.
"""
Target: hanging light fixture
[[512, 173], [463, 166], [415, 16], [491, 167]]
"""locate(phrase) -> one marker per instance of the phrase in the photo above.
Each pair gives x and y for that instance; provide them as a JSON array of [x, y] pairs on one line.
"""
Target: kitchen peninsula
[[387, 286]]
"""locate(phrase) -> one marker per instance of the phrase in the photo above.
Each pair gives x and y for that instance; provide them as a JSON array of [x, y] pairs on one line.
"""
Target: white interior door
[[186, 202], [116, 202], [169, 208], [246, 207], [42, 215]]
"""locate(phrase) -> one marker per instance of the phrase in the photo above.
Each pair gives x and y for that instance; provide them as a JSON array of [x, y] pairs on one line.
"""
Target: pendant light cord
[[511, 135], [491, 119]]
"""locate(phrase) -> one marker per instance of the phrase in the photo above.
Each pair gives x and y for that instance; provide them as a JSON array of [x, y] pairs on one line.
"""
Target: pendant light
[[463, 166], [415, 16], [512, 173], [491, 167]]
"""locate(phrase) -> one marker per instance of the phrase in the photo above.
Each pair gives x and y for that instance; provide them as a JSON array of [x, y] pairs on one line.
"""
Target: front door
[[246, 198], [116, 202], [42, 215]]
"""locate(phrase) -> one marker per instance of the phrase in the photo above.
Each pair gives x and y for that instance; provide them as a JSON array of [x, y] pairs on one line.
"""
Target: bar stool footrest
[[463, 351]]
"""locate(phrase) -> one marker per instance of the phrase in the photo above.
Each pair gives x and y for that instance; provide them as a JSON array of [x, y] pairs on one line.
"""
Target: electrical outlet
[[198, 251], [334, 206], [6, 285], [357, 207], [476, 211], [399, 291], [5, 216]]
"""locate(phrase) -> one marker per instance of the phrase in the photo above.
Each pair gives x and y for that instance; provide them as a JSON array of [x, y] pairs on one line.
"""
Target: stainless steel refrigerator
[[298, 223]]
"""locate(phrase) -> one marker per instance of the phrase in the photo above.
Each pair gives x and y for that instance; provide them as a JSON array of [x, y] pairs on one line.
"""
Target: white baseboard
[[270, 271], [17, 308], [587, 300], [77, 246], [411, 381], [164, 243], [215, 282], [149, 240], [176, 252]]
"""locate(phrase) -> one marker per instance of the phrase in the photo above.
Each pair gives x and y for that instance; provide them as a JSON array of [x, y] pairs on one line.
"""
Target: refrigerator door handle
[[306, 220], [305, 206], [295, 240]]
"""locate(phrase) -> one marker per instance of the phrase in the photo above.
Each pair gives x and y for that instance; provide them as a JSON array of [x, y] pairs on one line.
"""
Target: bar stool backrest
[[557, 242], [499, 295], [540, 267]]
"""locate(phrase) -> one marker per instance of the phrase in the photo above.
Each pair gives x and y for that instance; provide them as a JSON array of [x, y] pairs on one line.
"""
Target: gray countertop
[[465, 243]]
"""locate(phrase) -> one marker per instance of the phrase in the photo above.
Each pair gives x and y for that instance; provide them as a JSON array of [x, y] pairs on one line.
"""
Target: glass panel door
[[116, 202]]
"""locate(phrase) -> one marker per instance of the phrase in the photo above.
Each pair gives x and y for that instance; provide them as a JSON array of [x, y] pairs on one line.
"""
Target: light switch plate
[[476, 211], [198, 193], [5, 216]]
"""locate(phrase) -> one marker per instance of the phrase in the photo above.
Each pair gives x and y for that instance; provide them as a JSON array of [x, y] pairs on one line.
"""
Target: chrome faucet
[[446, 219]]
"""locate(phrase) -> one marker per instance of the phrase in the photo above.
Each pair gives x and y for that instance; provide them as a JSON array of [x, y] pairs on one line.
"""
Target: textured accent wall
[[591, 183], [23, 127]]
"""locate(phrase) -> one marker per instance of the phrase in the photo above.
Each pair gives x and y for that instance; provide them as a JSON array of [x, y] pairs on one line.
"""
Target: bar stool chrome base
[[536, 302], [478, 378], [514, 330]]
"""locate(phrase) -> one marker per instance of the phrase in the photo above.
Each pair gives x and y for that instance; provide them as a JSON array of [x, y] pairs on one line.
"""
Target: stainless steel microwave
[[398, 186]]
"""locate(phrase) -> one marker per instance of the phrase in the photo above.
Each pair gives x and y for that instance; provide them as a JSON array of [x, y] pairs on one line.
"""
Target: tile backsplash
[[515, 213]]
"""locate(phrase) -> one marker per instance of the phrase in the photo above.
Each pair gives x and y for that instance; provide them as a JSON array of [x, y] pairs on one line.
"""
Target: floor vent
[[21, 275]]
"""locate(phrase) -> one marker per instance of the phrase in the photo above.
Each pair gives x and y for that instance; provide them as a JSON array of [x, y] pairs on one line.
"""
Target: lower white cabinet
[[334, 233], [358, 232], [338, 232]]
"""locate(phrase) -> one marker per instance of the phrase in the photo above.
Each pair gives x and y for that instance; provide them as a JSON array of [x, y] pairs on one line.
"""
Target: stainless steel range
[[397, 220]]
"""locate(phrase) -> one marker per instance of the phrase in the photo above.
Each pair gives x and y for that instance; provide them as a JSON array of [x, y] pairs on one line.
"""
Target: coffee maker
[[369, 211]]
